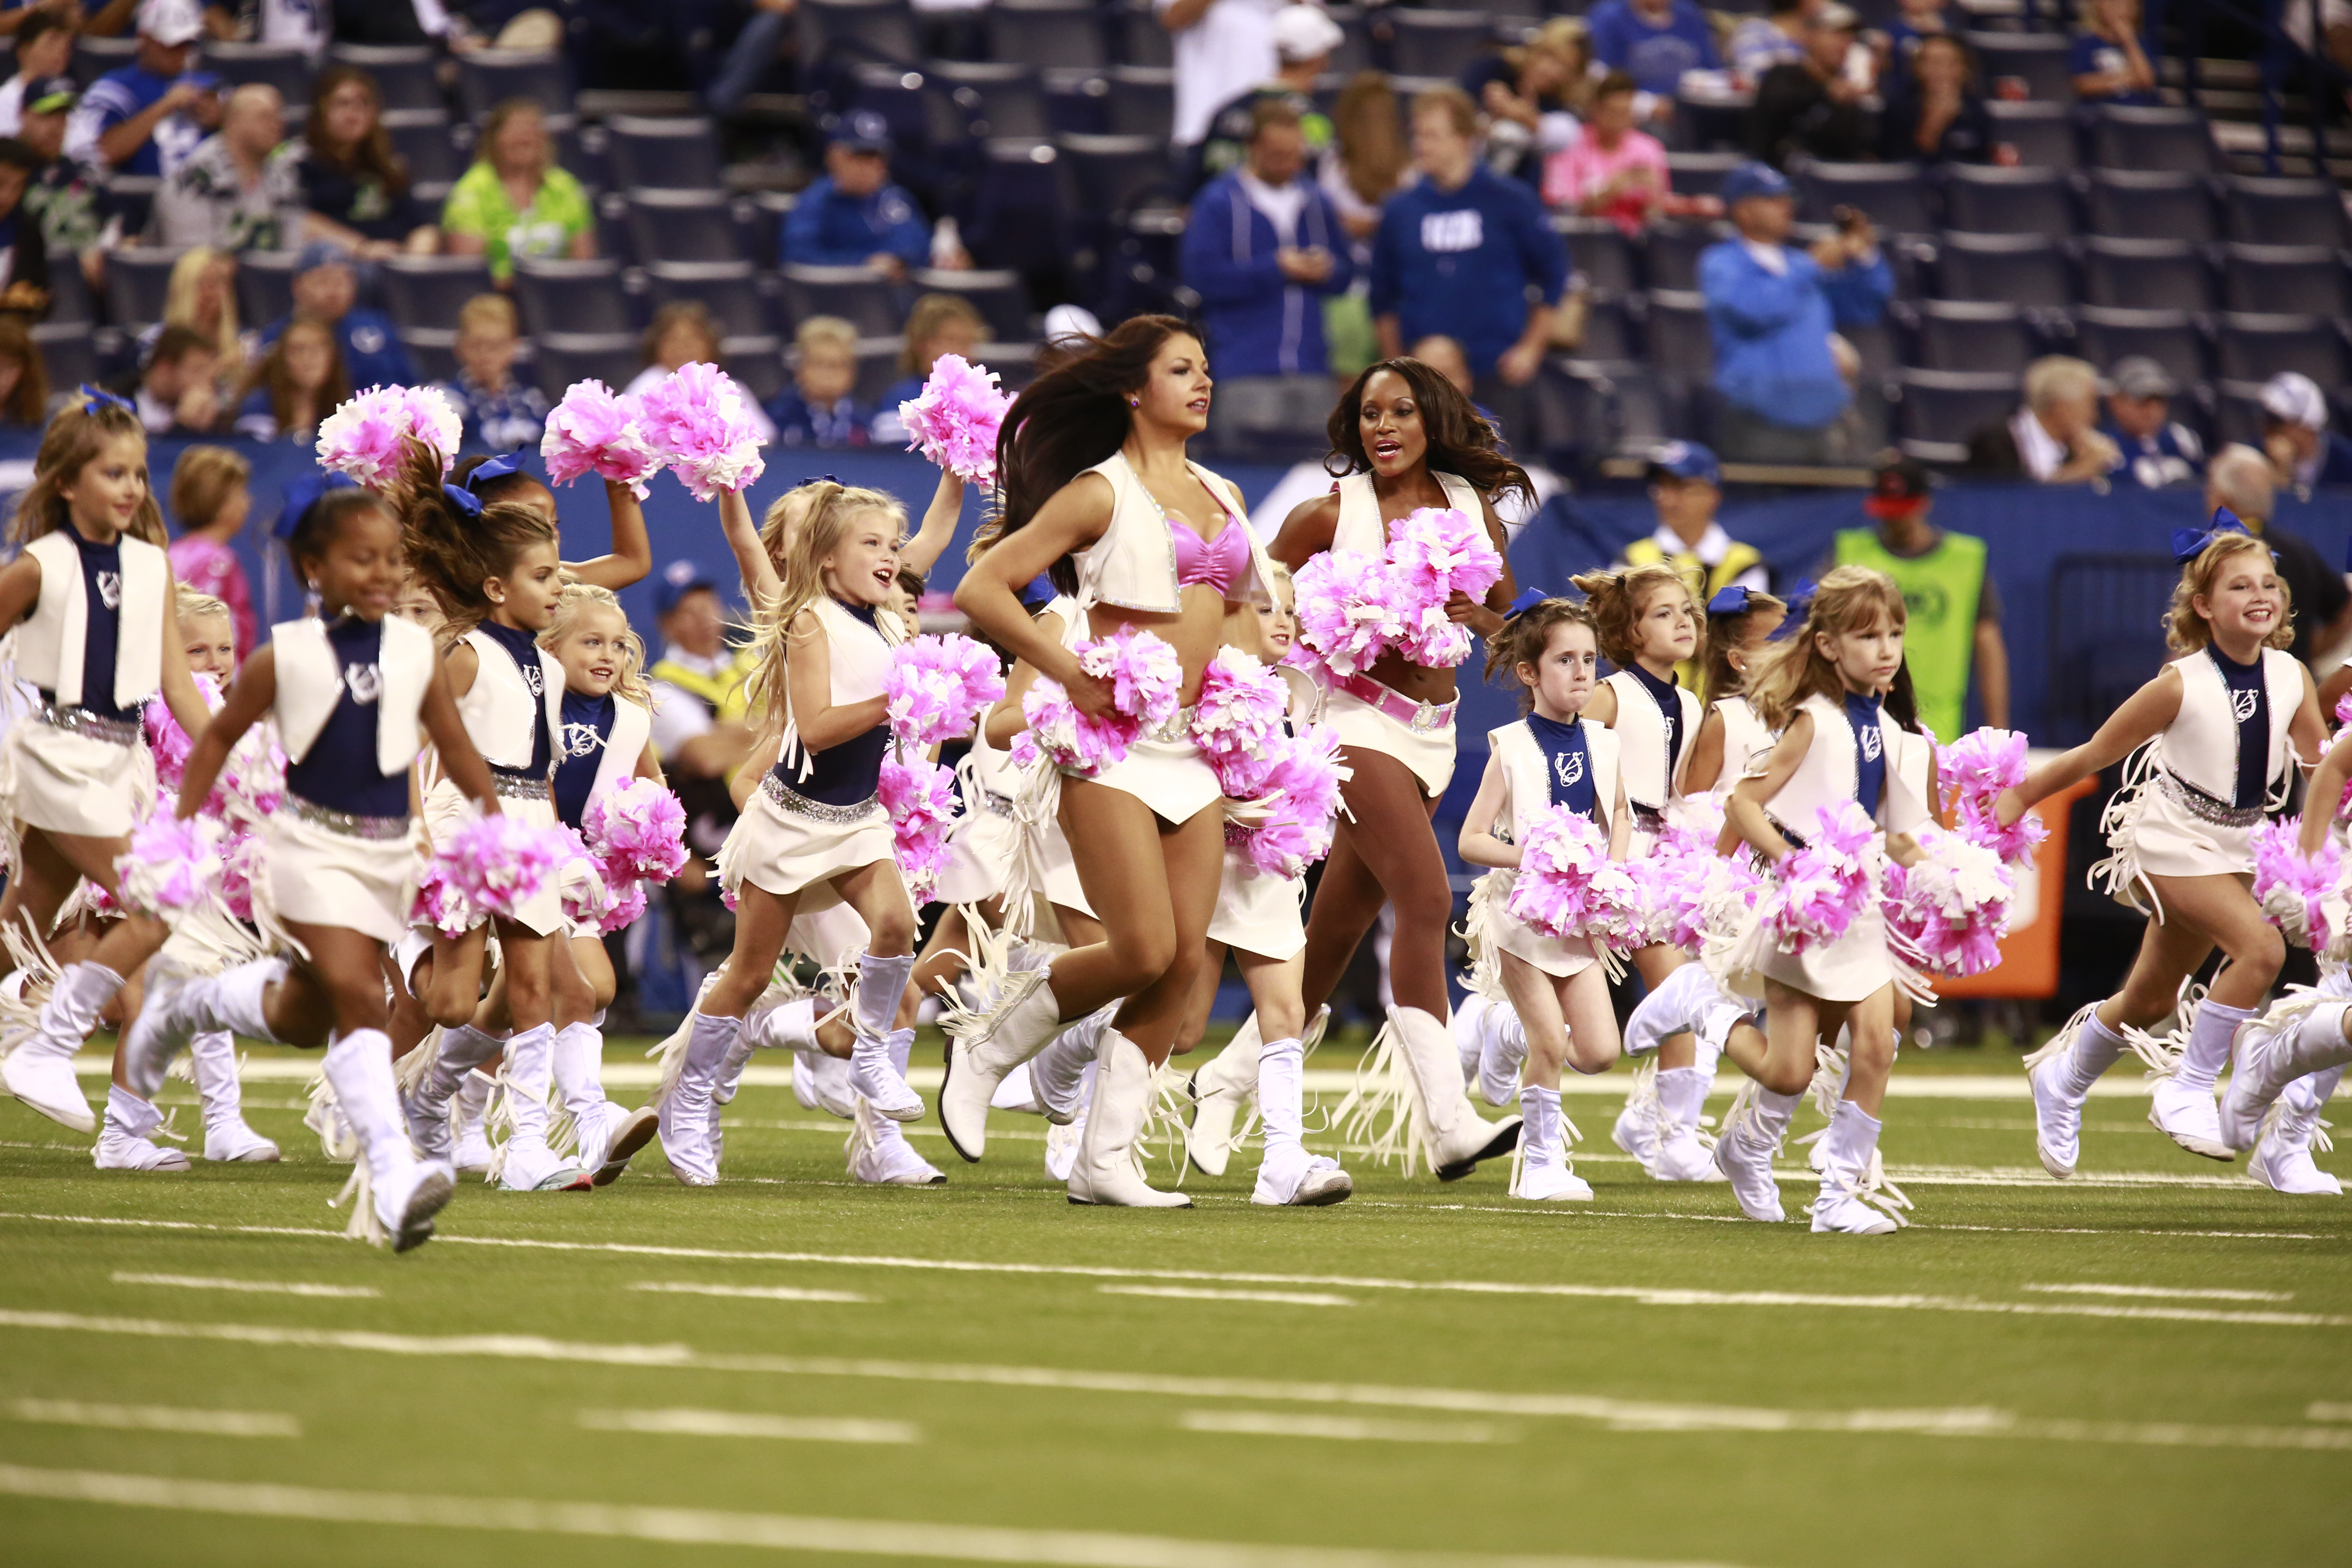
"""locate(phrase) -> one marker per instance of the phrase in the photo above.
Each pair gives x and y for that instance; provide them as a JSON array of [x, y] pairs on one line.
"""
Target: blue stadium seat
[[574, 296], [998, 296], [756, 360], [2017, 268], [1893, 197], [662, 154], [2034, 61], [1018, 207], [422, 140], [1116, 175], [2306, 280], [2284, 212], [2137, 136], [2146, 275], [265, 286], [70, 297], [2170, 338], [878, 367], [2041, 133], [406, 75], [1682, 345], [1141, 102], [270, 64], [834, 31], [560, 359], [137, 278], [2150, 203], [1700, 173], [1674, 249], [1047, 35], [434, 351], [730, 290], [487, 78], [1611, 330], [1355, 51], [1940, 410], [1438, 43], [1953, 334], [997, 99], [2237, 413], [2257, 347], [429, 290], [68, 354], [1603, 255], [1980, 198], [862, 296], [1139, 39], [683, 226]]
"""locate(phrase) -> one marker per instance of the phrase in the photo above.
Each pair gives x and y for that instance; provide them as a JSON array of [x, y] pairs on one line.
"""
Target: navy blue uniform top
[[1568, 762], [340, 771], [587, 726], [1869, 750], [1670, 707], [2249, 705], [850, 773], [524, 648], [102, 585]]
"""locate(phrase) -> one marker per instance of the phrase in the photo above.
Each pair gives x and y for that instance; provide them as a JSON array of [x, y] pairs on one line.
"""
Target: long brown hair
[[1369, 131], [452, 551], [372, 154], [1460, 440], [1850, 599], [1620, 599], [67, 447], [1067, 421], [272, 377], [822, 518], [30, 398]]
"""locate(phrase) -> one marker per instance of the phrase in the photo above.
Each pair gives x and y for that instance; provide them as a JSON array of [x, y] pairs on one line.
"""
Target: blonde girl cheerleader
[[1098, 491], [816, 834], [1820, 689], [2213, 731], [1556, 984], [1740, 621], [91, 599], [350, 689], [493, 567]]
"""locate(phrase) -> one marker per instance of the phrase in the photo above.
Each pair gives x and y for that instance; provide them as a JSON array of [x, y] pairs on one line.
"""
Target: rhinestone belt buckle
[[1429, 716]]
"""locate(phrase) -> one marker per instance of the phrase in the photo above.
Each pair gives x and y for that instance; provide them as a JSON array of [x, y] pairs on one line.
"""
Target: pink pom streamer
[[1237, 721], [1566, 885], [241, 858], [1349, 610], [955, 420], [1822, 890], [169, 742], [1436, 554], [440, 902], [1950, 907], [363, 437], [919, 795], [500, 863], [637, 829], [628, 904], [1975, 770], [937, 688], [1145, 678], [2344, 709], [1302, 796], [2292, 888], [171, 865], [587, 898], [702, 423], [597, 431]]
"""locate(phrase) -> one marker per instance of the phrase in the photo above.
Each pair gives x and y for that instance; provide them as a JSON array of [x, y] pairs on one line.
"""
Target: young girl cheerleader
[[1820, 689], [90, 598], [504, 478], [1098, 490], [1739, 623], [348, 689], [2216, 726], [1556, 985], [816, 834]]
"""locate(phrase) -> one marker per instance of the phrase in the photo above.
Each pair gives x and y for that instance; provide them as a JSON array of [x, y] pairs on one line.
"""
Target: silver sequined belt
[[1178, 727], [380, 829], [790, 799], [998, 804], [2204, 808], [519, 786], [79, 721]]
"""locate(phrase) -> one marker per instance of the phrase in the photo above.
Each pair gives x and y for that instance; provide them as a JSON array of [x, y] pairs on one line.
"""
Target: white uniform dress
[[68, 770], [1642, 735], [1744, 735], [785, 843], [988, 835], [1257, 912], [1527, 792], [1424, 741], [500, 711]]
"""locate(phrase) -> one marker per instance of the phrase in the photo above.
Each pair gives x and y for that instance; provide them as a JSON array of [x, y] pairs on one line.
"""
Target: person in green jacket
[[1954, 608]]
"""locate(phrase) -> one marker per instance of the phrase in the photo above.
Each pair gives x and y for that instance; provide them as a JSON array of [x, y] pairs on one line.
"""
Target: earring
[[312, 602], [1135, 403]]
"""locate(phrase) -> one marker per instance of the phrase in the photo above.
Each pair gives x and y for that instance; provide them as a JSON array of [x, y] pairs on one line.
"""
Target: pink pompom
[[1024, 752], [441, 903], [1567, 884], [1975, 770], [919, 795], [171, 865], [939, 687], [363, 437], [1349, 610], [955, 420], [241, 861], [626, 907], [637, 829], [1433, 554], [1237, 721], [2292, 888], [1949, 909], [1822, 890], [501, 863], [700, 421], [597, 431], [169, 742], [1145, 678], [1302, 798], [2344, 709], [586, 893]]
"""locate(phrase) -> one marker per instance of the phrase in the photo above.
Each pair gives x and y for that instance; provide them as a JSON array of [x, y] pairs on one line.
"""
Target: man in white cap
[[147, 117], [1304, 39], [2305, 452]]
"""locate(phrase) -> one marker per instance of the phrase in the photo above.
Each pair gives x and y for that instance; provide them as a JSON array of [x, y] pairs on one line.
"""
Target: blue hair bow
[[307, 492], [495, 468], [1730, 601], [464, 499], [1523, 602], [94, 399], [825, 480], [1801, 604], [2189, 543], [1037, 591]]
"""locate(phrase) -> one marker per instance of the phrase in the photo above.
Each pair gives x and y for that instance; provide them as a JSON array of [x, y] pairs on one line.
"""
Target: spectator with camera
[[241, 189], [147, 117]]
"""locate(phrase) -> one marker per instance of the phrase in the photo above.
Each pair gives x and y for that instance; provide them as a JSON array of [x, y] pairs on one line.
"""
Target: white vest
[[1360, 527], [49, 642], [632, 725], [310, 683], [496, 708], [1910, 767], [1133, 564], [1827, 775], [2199, 747], [858, 659], [1642, 733], [1527, 782], [1744, 736]]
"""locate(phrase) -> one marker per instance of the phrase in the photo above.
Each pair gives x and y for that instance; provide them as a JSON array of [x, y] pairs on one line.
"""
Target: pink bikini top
[[1218, 563]]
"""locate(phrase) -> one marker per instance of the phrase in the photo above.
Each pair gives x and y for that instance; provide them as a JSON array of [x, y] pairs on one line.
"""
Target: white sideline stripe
[[2160, 1291], [2034, 1176], [1646, 1295], [1342, 1428], [748, 1292], [2324, 1410], [153, 1418], [1184, 1293], [1617, 1415], [1558, 1212], [250, 1287], [712, 1527], [741, 1423]]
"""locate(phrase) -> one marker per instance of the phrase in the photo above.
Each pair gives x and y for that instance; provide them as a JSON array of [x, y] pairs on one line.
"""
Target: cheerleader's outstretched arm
[[921, 553], [1478, 844], [2325, 802], [1074, 518], [180, 693], [460, 761], [632, 559], [2144, 715], [249, 697], [2308, 731], [1744, 813], [761, 583]]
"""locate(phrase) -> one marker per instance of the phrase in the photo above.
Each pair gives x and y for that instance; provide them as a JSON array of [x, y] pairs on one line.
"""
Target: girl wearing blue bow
[[1739, 622], [2211, 734]]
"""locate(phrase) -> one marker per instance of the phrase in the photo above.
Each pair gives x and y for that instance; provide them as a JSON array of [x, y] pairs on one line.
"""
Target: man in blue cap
[[1686, 487], [1774, 311], [852, 214], [327, 289]]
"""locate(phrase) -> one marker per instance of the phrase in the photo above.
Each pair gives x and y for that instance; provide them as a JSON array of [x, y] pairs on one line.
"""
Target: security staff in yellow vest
[[1686, 486], [1954, 607], [699, 728]]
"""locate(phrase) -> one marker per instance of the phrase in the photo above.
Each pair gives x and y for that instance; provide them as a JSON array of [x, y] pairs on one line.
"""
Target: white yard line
[[2326, 1410], [1571, 1213], [1340, 1428], [712, 1527], [151, 1418], [748, 1292], [1186, 1293], [249, 1286], [2162, 1292], [746, 1424]]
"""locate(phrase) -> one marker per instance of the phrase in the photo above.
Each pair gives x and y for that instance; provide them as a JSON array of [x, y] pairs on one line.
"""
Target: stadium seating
[[136, 282], [2307, 279], [2146, 274], [265, 286], [271, 65], [2156, 203], [1438, 42], [68, 354], [2136, 136], [2257, 346], [862, 296], [2017, 268], [2034, 61], [1941, 410], [567, 296], [1047, 35], [564, 358], [728, 290], [1604, 257], [996, 98], [422, 138], [1893, 197], [999, 296], [2283, 212], [434, 351], [1140, 101], [682, 225], [2041, 133], [856, 29], [429, 290], [1951, 334], [1980, 198], [487, 78], [406, 76], [2171, 338], [662, 154]]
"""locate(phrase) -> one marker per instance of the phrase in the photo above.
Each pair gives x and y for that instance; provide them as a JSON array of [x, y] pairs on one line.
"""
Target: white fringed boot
[[878, 1150], [1105, 1173], [1546, 1173], [1455, 1137], [686, 1113], [1842, 1207], [2271, 1062], [982, 1049], [577, 1062], [406, 1193], [125, 1138], [1288, 1175], [39, 1070], [2061, 1075], [2281, 1160], [881, 982], [227, 1135], [469, 1120], [2181, 1105], [1752, 1131], [426, 1107], [527, 1164]]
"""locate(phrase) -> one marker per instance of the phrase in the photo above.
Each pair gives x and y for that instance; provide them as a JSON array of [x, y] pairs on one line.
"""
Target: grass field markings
[[741, 1424], [1572, 1215], [250, 1287], [750, 1292], [712, 1527], [2326, 1410], [151, 1418], [2034, 1176], [1340, 1428], [82, 1149], [1192, 1293], [2184, 1293]]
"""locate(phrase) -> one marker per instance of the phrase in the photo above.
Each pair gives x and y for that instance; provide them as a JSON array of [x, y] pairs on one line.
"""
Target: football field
[[2149, 1365]]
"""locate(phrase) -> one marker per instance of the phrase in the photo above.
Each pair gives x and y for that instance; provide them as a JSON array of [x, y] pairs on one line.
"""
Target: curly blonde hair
[[2186, 631], [1850, 599], [577, 597], [1618, 600]]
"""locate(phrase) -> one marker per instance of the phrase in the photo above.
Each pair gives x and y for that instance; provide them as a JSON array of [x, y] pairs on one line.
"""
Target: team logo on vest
[[1569, 767], [2243, 703], [1872, 742], [110, 589], [534, 678], [363, 681], [582, 739]]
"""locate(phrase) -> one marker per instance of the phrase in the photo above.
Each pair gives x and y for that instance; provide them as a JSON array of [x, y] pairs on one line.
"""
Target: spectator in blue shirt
[[326, 289], [1774, 311], [820, 408], [1653, 41], [1469, 254], [2157, 451], [2108, 64], [147, 117], [499, 412], [852, 214], [1264, 249], [2296, 435]]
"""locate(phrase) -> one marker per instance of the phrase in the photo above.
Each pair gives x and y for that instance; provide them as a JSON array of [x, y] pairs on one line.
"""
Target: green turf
[[1061, 1458]]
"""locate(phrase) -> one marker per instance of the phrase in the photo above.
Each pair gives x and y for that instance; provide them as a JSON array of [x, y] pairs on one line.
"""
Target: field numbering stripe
[[749, 1292], [2162, 1292], [744, 1423], [152, 1419], [2328, 1410], [250, 1287], [1185, 1293], [1340, 1428]]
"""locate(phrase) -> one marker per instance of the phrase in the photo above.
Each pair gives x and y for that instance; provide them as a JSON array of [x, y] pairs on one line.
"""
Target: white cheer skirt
[[785, 844], [1851, 969], [1429, 754], [1493, 930], [446, 809], [62, 781], [1257, 913], [1165, 771], [2160, 829], [322, 868]]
